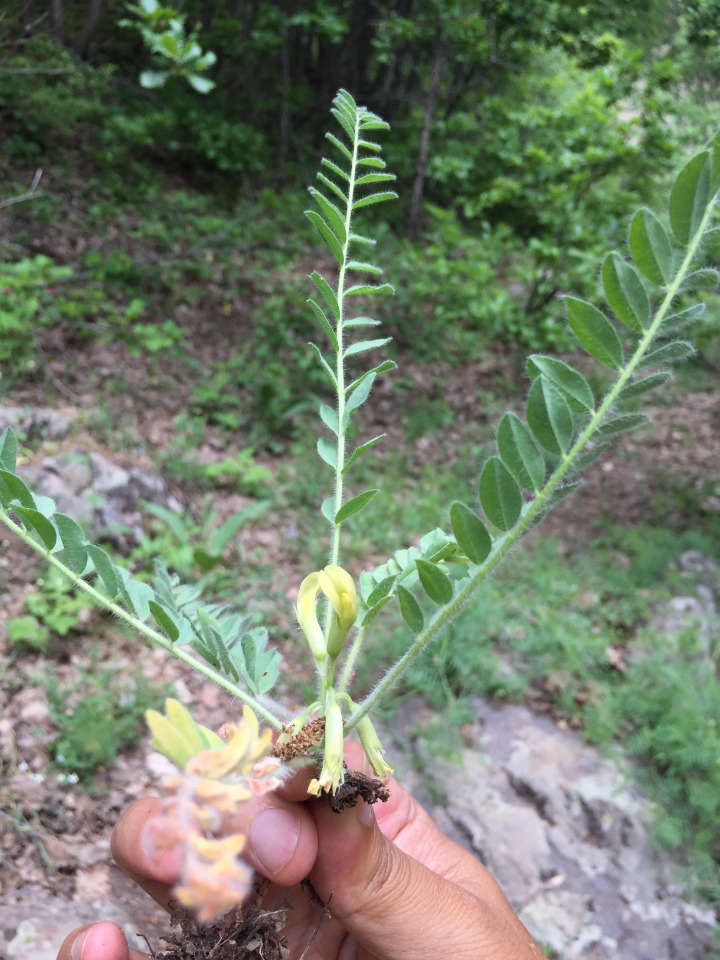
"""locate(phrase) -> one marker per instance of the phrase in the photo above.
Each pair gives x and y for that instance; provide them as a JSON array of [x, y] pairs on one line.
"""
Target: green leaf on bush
[[595, 332], [410, 609], [499, 494], [573, 386], [519, 453], [549, 417], [689, 197], [352, 506], [625, 293], [650, 247], [435, 583], [470, 532]]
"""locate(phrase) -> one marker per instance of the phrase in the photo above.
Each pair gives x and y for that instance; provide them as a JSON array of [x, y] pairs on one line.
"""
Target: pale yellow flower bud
[[306, 612], [373, 747], [339, 587]]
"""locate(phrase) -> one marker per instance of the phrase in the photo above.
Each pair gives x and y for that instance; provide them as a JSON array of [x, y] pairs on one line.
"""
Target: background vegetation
[[167, 235]]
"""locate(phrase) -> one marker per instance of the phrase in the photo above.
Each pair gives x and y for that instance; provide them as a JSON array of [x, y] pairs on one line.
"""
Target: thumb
[[396, 907]]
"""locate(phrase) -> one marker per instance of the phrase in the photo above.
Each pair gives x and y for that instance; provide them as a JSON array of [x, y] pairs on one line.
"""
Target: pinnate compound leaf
[[327, 451], [361, 449], [354, 505], [637, 387], [519, 453], [13, 490], [650, 247], [164, 620], [8, 450], [40, 524], [549, 417], [470, 532], [621, 424], [499, 494], [689, 197], [674, 352], [573, 386], [410, 609], [105, 569], [435, 583], [595, 332], [625, 293], [362, 345]]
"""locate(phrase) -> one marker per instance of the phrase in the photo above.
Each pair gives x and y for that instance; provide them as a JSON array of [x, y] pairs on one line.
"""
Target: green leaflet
[[410, 610], [327, 291], [637, 387], [625, 293], [353, 506], [381, 591], [8, 450], [573, 386], [434, 582], [549, 417], [650, 247], [673, 352], [361, 449], [164, 620], [499, 494], [12, 489], [595, 332], [326, 234], [519, 453], [105, 569], [74, 554], [327, 451], [689, 197], [34, 520], [470, 532], [621, 424]]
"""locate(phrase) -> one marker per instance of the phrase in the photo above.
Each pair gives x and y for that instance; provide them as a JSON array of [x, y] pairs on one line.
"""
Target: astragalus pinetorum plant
[[635, 336]]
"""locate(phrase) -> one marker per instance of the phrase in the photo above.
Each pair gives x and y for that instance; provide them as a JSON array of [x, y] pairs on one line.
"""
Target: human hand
[[400, 889]]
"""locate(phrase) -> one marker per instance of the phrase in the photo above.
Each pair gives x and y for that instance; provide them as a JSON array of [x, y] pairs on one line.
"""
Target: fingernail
[[78, 946], [274, 836], [365, 814]]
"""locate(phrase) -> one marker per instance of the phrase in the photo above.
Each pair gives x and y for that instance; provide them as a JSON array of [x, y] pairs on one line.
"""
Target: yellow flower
[[339, 587], [373, 747], [177, 736]]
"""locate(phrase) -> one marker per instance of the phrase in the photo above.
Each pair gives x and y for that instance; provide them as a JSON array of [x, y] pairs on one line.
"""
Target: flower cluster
[[216, 775]]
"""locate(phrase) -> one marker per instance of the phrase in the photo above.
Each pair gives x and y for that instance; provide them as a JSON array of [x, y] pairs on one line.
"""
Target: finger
[[282, 844], [98, 941], [397, 907]]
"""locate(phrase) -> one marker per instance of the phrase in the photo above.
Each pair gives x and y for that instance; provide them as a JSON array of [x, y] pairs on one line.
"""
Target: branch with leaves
[[539, 459]]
